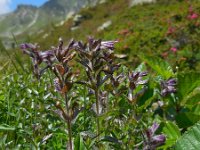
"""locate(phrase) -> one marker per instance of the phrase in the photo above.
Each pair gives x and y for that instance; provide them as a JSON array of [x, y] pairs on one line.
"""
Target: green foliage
[[25, 114], [79, 144], [190, 139], [172, 132], [159, 65], [6, 128], [186, 119], [188, 86]]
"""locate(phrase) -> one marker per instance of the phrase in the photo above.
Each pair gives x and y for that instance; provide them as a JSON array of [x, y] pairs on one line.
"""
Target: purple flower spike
[[38, 57], [159, 138], [153, 141], [168, 87], [47, 55], [135, 79], [171, 82], [153, 128], [28, 46], [108, 44], [57, 85]]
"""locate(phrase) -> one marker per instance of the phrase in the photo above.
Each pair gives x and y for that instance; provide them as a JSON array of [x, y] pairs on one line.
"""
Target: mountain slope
[[19, 20], [140, 29], [28, 18]]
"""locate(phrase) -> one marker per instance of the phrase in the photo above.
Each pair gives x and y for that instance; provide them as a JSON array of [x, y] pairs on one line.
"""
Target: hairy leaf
[[189, 140], [159, 65]]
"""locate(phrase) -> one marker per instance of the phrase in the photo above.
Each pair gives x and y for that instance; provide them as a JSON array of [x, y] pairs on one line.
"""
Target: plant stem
[[69, 128], [85, 106], [97, 108], [69, 134]]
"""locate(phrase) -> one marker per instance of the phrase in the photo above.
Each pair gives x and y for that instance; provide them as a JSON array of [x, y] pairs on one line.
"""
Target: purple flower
[[136, 78], [28, 46], [96, 56], [117, 80], [64, 54], [168, 86], [153, 129], [108, 44], [158, 138], [153, 141], [57, 85], [95, 45], [47, 55], [38, 57]]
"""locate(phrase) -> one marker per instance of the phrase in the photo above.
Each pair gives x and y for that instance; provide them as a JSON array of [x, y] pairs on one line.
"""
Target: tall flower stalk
[[64, 76], [57, 61], [96, 57]]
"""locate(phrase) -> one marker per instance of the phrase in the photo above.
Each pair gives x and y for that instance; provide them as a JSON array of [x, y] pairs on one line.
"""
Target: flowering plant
[[102, 78]]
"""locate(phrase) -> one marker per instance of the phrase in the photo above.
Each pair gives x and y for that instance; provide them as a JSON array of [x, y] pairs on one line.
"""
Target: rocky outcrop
[[28, 18], [104, 25], [136, 2]]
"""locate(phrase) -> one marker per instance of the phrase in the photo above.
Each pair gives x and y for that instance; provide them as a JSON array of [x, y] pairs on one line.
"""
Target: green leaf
[[192, 98], [187, 119], [188, 86], [6, 128], [196, 109], [190, 140], [110, 139], [159, 65], [141, 67], [172, 132], [146, 99], [79, 144]]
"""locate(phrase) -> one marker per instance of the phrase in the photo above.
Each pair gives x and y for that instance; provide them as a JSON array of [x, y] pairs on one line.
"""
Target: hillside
[[140, 29]]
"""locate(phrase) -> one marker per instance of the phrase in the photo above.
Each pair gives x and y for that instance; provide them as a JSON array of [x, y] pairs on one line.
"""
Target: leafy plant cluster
[[102, 82], [82, 97]]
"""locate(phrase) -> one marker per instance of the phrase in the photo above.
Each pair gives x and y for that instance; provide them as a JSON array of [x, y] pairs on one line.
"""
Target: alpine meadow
[[101, 75]]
